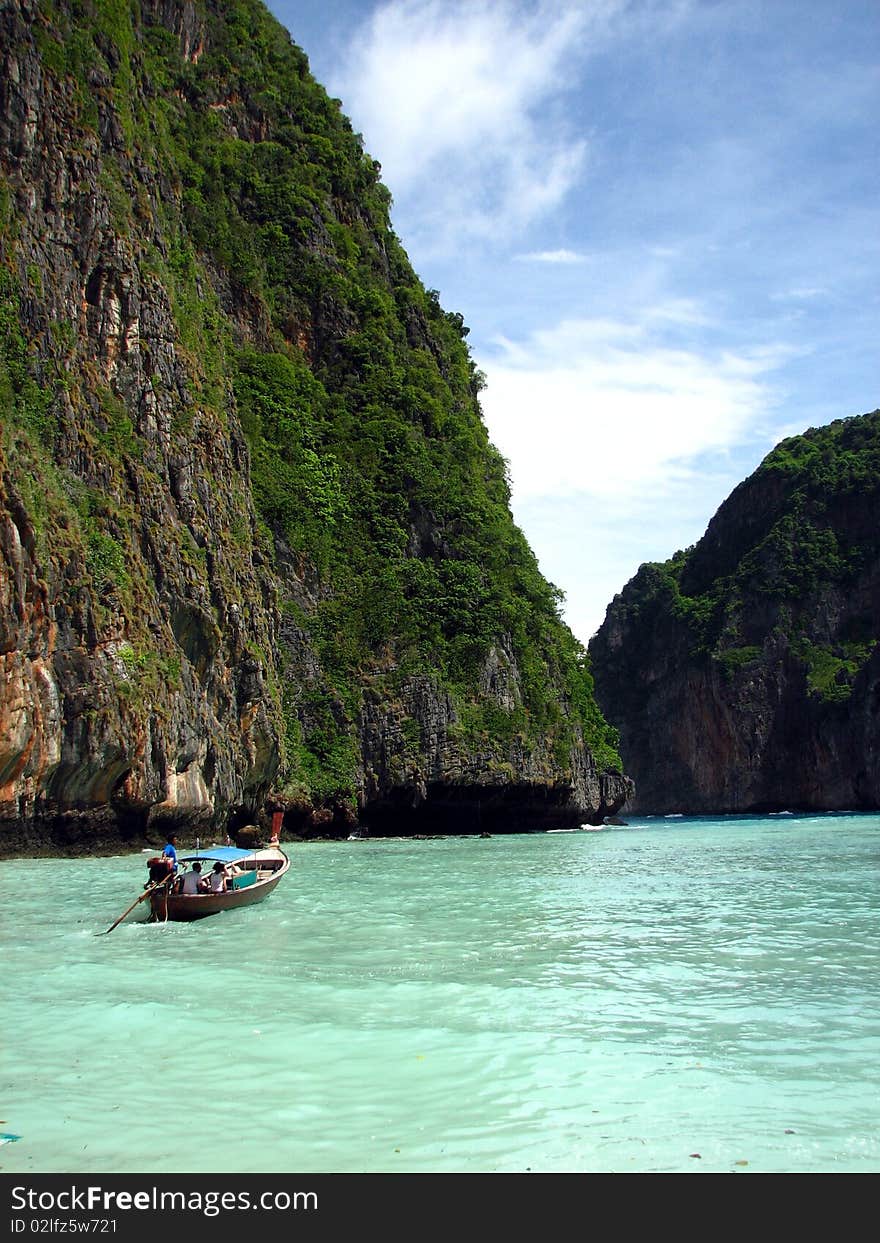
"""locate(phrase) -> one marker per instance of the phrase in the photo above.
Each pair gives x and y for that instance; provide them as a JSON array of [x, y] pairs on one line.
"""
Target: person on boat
[[218, 878], [193, 882], [170, 851]]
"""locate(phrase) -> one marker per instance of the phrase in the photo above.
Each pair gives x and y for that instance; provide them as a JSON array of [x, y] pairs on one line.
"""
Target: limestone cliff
[[744, 674], [255, 547]]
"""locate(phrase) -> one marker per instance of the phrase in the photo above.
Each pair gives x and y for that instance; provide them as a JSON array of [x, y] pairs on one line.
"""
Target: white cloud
[[605, 408], [552, 256], [622, 445], [459, 101], [678, 311], [801, 293]]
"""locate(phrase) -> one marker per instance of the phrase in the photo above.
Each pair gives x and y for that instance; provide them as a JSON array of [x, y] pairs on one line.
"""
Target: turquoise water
[[618, 1000]]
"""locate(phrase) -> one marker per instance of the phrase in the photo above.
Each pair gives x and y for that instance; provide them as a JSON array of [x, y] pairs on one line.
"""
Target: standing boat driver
[[164, 867], [170, 851]]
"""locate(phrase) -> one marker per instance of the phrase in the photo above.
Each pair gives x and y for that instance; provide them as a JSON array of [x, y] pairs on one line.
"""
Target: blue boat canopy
[[226, 854]]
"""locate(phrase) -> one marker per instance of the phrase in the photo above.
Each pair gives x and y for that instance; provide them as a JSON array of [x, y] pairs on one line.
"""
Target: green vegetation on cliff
[[744, 673], [383, 508], [784, 549]]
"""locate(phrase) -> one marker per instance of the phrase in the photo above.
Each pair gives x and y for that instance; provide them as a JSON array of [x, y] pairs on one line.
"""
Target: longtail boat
[[249, 876]]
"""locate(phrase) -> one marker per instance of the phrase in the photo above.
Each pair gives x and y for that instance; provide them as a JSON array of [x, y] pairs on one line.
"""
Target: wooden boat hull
[[184, 907]]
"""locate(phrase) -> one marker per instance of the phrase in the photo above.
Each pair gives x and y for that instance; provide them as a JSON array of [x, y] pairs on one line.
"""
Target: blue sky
[[659, 219]]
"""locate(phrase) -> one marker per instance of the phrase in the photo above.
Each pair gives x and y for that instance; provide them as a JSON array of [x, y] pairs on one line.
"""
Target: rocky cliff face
[[744, 674], [230, 578]]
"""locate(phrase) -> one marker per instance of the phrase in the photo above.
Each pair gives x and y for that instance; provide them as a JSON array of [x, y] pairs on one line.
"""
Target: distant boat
[[251, 877]]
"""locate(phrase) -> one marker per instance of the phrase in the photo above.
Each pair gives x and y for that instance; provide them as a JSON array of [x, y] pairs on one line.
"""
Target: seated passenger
[[193, 882], [218, 878]]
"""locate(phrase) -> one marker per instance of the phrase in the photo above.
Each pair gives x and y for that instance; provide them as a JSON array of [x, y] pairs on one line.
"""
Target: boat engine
[[159, 867]]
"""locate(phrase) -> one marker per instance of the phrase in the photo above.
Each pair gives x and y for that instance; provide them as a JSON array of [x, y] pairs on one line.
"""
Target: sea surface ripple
[[673, 995]]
